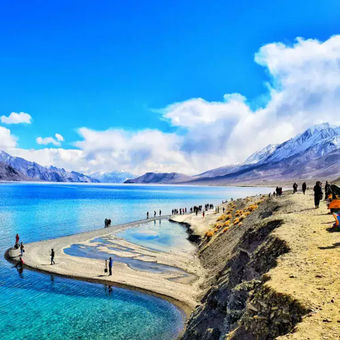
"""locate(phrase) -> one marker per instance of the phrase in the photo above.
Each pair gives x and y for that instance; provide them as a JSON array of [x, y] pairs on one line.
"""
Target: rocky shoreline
[[240, 299]]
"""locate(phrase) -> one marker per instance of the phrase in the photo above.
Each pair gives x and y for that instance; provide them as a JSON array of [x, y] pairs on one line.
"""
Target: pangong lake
[[35, 305]]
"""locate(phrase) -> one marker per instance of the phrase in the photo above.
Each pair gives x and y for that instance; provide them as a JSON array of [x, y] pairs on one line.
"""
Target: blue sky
[[114, 64]]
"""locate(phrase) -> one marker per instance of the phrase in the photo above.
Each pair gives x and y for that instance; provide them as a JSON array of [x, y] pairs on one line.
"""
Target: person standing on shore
[[317, 194], [110, 265], [160, 213], [304, 187], [52, 256], [22, 249], [295, 186], [147, 215], [16, 241]]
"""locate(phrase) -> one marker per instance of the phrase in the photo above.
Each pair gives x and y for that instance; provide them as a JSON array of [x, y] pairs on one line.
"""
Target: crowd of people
[[317, 189], [200, 209]]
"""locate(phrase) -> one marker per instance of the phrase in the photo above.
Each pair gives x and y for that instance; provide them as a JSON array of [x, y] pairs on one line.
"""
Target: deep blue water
[[40, 306]]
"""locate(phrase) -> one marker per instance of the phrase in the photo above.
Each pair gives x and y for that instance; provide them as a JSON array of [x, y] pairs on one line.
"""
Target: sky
[[181, 86]]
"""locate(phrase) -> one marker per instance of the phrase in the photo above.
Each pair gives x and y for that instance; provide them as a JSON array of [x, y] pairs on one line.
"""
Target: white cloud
[[17, 118], [51, 140], [59, 137], [7, 140], [304, 88]]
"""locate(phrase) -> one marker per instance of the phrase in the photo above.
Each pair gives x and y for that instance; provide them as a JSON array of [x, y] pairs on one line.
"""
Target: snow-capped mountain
[[316, 141], [311, 154], [113, 177], [259, 156], [7, 173], [37, 172]]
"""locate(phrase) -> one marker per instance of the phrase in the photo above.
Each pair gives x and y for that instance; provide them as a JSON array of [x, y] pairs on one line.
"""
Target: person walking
[[52, 256], [110, 265], [317, 194], [22, 249], [304, 187], [147, 215], [295, 187], [16, 241]]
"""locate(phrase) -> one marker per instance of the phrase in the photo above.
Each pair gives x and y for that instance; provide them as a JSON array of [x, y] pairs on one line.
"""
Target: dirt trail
[[310, 271]]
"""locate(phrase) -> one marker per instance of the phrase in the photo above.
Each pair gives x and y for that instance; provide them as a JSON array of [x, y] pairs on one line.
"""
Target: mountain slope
[[310, 155], [304, 156], [7, 173], [317, 141], [294, 168], [261, 155], [34, 171], [161, 178], [113, 177]]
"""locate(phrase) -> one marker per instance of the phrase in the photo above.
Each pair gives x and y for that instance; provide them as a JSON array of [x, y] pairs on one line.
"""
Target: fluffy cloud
[[17, 118], [51, 140], [304, 89], [7, 140]]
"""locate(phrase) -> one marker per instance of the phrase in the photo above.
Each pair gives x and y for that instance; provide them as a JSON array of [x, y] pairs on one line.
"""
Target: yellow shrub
[[221, 218], [225, 229], [209, 234]]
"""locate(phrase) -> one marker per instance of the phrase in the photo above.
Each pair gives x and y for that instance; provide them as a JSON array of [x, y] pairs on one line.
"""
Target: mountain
[[317, 141], [313, 154], [262, 154], [113, 177], [7, 173], [161, 178], [33, 171]]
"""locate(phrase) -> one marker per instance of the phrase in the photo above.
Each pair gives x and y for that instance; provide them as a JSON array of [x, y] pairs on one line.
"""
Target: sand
[[310, 271], [178, 289]]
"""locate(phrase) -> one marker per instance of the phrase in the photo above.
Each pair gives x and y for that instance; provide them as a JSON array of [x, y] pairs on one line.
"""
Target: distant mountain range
[[314, 154], [112, 177], [160, 177], [19, 169]]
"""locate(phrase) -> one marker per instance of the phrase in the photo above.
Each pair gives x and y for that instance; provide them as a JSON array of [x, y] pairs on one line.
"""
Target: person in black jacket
[[304, 187], [295, 187], [317, 194]]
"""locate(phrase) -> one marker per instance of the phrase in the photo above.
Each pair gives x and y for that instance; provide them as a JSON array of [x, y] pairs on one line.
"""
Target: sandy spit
[[179, 290]]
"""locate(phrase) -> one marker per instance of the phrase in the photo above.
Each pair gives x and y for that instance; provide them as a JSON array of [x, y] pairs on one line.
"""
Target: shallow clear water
[[136, 264], [40, 306], [161, 235]]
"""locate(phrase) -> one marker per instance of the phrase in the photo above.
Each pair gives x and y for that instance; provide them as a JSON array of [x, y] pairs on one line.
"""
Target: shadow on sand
[[335, 245]]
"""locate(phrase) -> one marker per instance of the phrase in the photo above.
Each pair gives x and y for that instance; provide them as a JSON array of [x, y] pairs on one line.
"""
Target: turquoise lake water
[[40, 306]]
